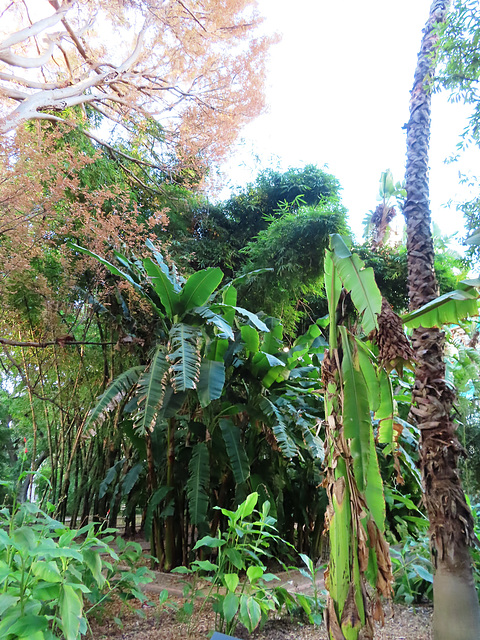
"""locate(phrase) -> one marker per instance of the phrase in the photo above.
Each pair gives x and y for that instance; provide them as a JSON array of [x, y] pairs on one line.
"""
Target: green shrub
[[239, 587], [412, 570], [47, 570]]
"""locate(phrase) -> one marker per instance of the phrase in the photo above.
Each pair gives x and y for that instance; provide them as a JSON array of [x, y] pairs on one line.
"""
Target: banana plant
[[186, 368], [357, 388]]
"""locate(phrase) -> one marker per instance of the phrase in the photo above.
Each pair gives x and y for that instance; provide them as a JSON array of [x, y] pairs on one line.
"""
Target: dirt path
[[292, 580], [401, 623]]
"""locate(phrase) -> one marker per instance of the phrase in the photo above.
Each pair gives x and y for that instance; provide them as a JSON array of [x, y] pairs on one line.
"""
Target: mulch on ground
[[159, 623]]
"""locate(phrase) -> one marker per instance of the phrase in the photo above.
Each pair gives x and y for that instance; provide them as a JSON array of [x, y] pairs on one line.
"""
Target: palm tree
[[457, 614]]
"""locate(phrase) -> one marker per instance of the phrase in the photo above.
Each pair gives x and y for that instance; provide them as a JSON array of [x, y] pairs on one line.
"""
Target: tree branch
[[36, 27], [62, 341], [26, 63], [31, 84]]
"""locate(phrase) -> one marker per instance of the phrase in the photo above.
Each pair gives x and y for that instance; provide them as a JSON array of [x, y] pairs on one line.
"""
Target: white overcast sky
[[338, 89]]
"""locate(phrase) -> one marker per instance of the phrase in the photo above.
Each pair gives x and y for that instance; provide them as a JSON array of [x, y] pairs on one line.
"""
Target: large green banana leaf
[[359, 281], [151, 391], [449, 308], [199, 287], [115, 392], [164, 288], [235, 450], [272, 342], [254, 319], [197, 483], [217, 321], [333, 288], [117, 272], [131, 478], [216, 349], [356, 411], [184, 356], [369, 370], [251, 339], [229, 298], [280, 429], [211, 381], [384, 413], [160, 261], [374, 488]]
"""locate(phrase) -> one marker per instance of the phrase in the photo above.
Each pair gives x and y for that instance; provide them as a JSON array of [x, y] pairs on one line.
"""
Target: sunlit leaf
[[199, 287], [359, 281]]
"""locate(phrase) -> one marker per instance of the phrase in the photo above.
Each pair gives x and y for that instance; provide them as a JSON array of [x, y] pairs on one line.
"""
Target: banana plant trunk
[[456, 609], [170, 550]]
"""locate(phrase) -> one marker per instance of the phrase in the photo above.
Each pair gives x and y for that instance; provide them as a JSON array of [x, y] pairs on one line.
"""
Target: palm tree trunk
[[456, 609]]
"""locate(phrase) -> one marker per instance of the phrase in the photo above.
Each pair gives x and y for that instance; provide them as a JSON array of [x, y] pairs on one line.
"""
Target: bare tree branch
[[62, 341], [26, 63], [31, 84], [35, 28]]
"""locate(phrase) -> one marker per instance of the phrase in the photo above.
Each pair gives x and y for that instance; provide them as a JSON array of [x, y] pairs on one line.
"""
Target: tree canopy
[[176, 76]]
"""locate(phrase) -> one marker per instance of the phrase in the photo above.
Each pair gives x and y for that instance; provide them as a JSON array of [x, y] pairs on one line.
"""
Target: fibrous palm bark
[[456, 610]]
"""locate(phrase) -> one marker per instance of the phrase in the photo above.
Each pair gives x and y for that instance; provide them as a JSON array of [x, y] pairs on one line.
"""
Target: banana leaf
[[333, 288], [359, 281], [117, 272], [280, 429], [356, 411], [251, 339], [114, 393], [384, 413], [199, 287], [211, 381], [151, 391], [217, 321], [235, 450], [272, 342], [164, 287], [184, 356], [449, 308], [199, 476], [374, 489], [254, 319]]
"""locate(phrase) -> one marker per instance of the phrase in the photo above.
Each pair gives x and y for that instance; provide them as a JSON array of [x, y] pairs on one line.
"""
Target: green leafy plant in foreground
[[240, 550], [412, 570], [475, 551], [312, 605], [46, 570]]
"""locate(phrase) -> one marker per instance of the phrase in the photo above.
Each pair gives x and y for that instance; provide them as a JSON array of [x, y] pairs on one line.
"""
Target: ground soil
[[160, 623]]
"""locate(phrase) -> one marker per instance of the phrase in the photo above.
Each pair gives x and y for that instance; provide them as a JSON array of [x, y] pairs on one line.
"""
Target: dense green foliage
[[458, 72], [48, 572], [243, 548]]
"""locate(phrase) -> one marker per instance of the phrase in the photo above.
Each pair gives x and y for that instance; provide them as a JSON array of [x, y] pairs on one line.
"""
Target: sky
[[338, 89]]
